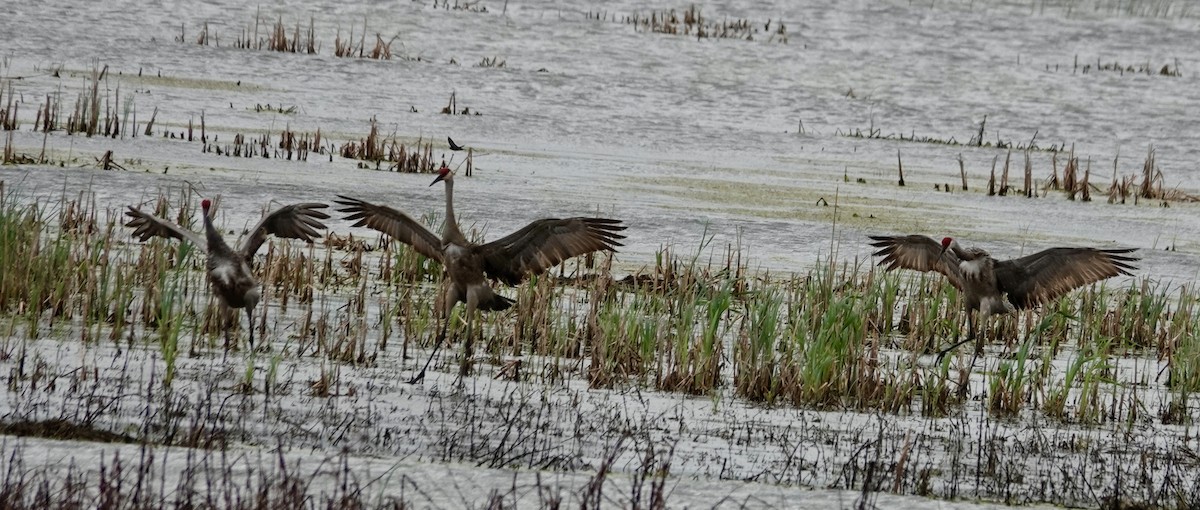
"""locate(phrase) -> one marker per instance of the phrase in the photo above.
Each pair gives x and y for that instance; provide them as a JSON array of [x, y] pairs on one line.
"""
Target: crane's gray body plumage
[[229, 272], [991, 286], [532, 250]]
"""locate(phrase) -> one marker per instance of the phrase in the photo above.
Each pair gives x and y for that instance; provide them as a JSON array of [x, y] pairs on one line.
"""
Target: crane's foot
[[948, 350], [417, 378]]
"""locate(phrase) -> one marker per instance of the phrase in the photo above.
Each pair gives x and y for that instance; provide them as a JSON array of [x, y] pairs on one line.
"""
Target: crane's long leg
[[228, 321], [437, 345], [970, 336], [250, 317], [449, 299], [468, 344]]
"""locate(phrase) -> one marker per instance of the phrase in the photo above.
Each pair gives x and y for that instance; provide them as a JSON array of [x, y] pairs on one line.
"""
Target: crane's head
[[946, 242], [444, 174], [206, 204]]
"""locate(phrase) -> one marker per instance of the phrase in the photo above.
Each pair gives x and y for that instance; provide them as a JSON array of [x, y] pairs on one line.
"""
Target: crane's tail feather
[[497, 303]]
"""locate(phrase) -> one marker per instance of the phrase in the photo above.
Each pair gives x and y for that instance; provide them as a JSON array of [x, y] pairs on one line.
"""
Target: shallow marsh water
[[679, 137]]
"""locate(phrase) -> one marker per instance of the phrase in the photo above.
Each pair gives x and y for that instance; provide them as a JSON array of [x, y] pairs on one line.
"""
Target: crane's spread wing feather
[[393, 223], [1044, 276], [919, 253], [146, 225], [546, 243], [296, 221]]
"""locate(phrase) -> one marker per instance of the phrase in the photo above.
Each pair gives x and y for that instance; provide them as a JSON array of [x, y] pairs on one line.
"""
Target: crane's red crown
[[946, 242], [206, 203], [443, 174]]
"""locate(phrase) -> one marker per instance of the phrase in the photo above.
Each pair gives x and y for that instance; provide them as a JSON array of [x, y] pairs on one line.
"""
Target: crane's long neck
[[450, 232], [216, 243], [967, 254]]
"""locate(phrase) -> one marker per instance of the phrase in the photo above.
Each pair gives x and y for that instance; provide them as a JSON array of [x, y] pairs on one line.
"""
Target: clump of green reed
[[672, 321], [57, 266], [1139, 317], [1081, 380], [625, 334], [1182, 353], [755, 366], [808, 344], [939, 392], [1008, 386], [170, 322], [694, 359], [698, 320], [929, 314]]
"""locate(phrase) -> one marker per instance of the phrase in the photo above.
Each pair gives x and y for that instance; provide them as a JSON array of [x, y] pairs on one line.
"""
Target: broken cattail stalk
[[1054, 183], [900, 167], [992, 180], [1148, 176], [962, 172], [1028, 176], [1004, 174], [1068, 175], [1087, 192], [150, 125]]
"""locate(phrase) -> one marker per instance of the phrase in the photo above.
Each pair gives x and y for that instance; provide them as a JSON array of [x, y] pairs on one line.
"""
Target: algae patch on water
[[775, 201], [175, 82]]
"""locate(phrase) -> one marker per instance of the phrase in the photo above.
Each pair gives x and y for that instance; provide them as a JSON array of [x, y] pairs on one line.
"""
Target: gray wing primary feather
[[147, 225], [919, 253], [545, 243], [393, 223], [296, 221], [1044, 276]]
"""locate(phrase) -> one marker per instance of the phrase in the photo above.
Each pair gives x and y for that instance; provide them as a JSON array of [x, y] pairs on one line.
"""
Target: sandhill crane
[[229, 270], [991, 286], [531, 250]]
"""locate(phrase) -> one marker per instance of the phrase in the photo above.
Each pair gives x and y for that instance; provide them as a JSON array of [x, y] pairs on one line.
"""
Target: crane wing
[[296, 221], [393, 223], [1044, 276], [146, 225], [545, 243], [919, 253]]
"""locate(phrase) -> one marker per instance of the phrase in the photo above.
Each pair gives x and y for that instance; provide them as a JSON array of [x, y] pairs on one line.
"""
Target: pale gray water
[[674, 135]]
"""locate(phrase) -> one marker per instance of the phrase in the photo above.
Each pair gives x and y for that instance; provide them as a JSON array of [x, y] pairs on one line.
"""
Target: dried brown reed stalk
[[311, 48], [202, 39], [1004, 175], [1028, 176], [1070, 182], [8, 114], [692, 22], [962, 172], [900, 168], [1119, 189], [1152, 178], [382, 50], [86, 118], [150, 124], [278, 41], [344, 48], [992, 180], [379, 149], [47, 116], [106, 162], [1086, 190], [9, 155]]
